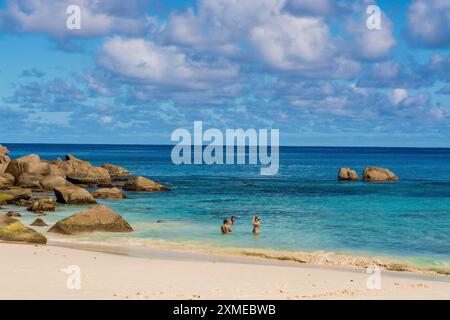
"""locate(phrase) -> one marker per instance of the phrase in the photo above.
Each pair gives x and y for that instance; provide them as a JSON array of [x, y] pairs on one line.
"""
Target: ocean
[[302, 208]]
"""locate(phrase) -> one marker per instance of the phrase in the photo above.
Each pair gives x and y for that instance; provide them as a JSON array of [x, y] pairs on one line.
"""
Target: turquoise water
[[303, 208]]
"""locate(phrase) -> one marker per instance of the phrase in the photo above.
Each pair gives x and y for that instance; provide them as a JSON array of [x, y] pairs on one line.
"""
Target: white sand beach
[[36, 272]]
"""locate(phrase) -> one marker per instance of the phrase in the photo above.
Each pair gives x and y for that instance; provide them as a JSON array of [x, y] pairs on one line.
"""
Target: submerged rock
[[13, 214], [13, 230], [73, 195], [96, 218], [141, 184], [39, 223], [116, 172], [112, 193], [378, 174], [43, 204], [348, 174]]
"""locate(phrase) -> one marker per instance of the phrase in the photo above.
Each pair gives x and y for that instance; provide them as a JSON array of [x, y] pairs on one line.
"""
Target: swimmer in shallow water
[[225, 228], [256, 224]]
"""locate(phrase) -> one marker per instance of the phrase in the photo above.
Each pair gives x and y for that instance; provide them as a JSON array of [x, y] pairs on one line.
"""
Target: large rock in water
[[141, 184], [96, 218], [13, 230], [113, 193], [73, 195], [14, 195], [116, 172], [82, 172], [377, 174], [348, 174], [53, 181]]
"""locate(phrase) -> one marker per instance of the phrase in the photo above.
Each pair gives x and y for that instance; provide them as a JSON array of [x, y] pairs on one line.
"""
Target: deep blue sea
[[303, 207]]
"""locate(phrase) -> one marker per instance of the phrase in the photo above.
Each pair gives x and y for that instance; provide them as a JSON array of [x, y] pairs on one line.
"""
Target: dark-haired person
[[225, 228], [233, 219], [256, 224]]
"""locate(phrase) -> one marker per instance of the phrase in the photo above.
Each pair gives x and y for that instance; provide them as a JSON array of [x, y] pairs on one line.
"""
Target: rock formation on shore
[[13, 230], [96, 218], [348, 174], [141, 184], [113, 193], [73, 195], [82, 172], [29, 170], [117, 173], [378, 174]]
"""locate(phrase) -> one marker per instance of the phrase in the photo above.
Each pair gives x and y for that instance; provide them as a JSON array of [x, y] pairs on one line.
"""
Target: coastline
[[36, 272], [146, 248]]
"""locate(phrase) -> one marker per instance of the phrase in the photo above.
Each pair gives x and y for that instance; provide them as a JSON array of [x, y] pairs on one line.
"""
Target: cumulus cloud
[[428, 23], [147, 62], [49, 17], [292, 43], [371, 44]]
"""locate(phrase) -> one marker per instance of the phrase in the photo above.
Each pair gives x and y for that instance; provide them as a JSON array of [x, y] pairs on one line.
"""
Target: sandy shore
[[36, 272]]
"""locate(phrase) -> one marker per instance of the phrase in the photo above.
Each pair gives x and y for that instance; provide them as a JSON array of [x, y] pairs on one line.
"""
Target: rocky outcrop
[[348, 174], [96, 218], [106, 193], [377, 174], [117, 173], [6, 180], [29, 170], [14, 195], [73, 195], [141, 184], [42, 204], [13, 230], [39, 223], [4, 159], [82, 172], [53, 181]]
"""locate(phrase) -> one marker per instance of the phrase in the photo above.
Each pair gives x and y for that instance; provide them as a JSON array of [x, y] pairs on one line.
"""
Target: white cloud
[[372, 45], [147, 62], [429, 22], [49, 17], [293, 43], [398, 95]]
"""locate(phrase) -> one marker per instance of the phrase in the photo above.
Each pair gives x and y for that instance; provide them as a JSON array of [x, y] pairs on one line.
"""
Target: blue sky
[[137, 70]]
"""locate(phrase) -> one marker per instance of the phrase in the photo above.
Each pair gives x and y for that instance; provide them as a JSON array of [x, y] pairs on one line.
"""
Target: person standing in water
[[225, 228], [233, 219], [256, 224]]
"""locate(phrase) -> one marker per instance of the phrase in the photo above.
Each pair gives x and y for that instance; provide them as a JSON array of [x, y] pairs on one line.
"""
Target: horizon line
[[159, 144]]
